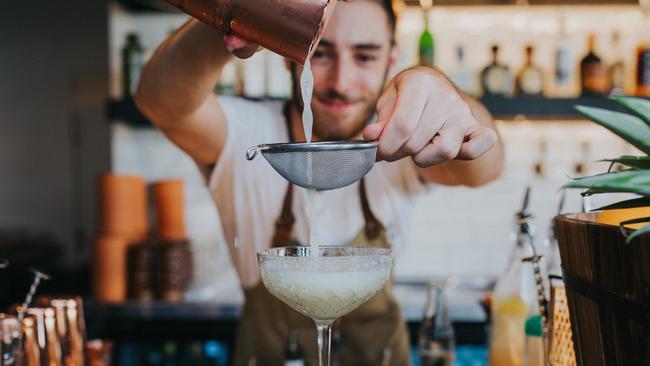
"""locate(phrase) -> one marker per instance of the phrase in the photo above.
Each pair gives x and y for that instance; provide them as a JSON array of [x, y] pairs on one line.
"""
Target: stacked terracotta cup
[[123, 221], [162, 269]]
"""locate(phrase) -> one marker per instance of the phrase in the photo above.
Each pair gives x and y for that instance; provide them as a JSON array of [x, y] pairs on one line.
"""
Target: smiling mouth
[[336, 104]]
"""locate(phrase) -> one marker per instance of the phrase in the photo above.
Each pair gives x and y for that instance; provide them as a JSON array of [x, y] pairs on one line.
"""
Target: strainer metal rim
[[310, 147]]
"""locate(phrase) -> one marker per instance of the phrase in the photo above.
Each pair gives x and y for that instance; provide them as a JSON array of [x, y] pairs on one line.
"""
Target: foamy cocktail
[[326, 286]]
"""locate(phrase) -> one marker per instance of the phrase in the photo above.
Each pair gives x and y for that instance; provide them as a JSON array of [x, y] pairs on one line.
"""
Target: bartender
[[428, 132]]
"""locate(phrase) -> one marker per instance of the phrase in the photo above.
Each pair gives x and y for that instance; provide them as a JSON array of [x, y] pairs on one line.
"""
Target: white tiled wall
[[457, 231]]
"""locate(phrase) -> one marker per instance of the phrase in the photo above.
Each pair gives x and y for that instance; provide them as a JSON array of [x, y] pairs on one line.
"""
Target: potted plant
[[606, 267]]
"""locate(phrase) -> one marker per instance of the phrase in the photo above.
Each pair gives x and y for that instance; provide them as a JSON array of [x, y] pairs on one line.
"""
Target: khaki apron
[[263, 330]]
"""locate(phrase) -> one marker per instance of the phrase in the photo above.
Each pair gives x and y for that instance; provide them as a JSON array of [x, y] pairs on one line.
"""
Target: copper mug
[[288, 27]]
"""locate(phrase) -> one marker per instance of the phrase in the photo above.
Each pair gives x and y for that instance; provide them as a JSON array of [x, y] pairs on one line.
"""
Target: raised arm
[[175, 90]]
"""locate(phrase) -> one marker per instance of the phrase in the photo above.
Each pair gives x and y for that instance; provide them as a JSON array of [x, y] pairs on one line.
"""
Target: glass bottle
[[564, 76], [593, 79], [496, 79], [462, 76], [132, 63], [514, 295], [530, 78], [427, 46], [436, 344], [643, 54], [616, 70], [534, 347], [293, 355], [643, 71]]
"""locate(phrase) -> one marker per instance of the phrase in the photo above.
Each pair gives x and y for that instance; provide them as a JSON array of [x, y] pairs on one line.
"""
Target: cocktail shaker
[[287, 27]]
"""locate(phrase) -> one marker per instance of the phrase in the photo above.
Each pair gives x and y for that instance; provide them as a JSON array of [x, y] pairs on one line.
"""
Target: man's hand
[[421, 114], [240, 47]]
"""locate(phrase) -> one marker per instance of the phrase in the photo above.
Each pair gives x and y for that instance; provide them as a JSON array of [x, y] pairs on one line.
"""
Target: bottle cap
[[534, 326]]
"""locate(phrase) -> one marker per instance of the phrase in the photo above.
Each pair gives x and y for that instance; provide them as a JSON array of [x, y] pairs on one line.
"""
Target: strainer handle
[[252, 151]]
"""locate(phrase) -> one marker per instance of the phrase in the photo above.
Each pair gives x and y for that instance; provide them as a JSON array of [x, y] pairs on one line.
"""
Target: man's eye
[[318, 55], [365, 58]]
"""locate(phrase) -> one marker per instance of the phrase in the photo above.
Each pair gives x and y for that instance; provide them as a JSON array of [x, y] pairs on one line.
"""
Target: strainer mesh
[[330, 169]]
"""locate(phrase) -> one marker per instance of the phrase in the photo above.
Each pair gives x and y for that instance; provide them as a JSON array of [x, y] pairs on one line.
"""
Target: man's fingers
[[401, 125], [239, 46], [445, 146], [426, 130], [478, 143], [234, 42]]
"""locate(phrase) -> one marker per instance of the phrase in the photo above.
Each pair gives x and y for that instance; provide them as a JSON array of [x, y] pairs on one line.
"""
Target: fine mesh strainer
[[334, 164]]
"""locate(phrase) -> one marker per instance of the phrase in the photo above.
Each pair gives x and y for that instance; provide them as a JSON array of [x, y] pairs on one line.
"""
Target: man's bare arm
[[175, 90]]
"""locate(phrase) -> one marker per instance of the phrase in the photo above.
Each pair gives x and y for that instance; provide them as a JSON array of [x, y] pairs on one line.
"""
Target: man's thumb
[[373, 131]]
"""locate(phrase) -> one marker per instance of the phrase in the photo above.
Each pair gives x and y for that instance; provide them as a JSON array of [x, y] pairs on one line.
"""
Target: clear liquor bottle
[[616, 70], [463, 76], [496, 79], [530, 78], [436, 343]]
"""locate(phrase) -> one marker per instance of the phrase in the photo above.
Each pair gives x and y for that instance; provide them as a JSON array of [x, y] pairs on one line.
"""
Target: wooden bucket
[[608, 289]]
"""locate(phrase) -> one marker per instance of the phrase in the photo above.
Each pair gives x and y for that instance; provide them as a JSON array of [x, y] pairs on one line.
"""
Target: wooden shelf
[[540, 108], [533, 108]]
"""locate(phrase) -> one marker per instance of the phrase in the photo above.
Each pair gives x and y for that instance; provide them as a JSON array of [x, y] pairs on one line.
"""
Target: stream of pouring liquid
[[306, 89]]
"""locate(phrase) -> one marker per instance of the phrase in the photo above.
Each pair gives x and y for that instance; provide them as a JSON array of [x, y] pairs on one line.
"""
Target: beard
[[330, 127]]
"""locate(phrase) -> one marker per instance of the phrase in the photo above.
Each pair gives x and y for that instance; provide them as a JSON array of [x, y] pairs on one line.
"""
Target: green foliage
[[635, 129]]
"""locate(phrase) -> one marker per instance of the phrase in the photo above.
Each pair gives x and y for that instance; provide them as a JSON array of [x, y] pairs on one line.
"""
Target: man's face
[[349, 66]]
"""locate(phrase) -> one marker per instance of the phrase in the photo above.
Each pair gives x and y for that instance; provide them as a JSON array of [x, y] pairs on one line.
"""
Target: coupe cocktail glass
[[327, 286]]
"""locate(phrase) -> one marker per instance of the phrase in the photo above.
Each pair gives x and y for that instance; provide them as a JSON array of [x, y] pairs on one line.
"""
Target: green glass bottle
[[427, 44], [132, 64]]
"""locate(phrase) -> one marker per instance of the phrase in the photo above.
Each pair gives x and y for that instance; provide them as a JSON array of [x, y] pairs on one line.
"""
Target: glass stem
[[324, 329]]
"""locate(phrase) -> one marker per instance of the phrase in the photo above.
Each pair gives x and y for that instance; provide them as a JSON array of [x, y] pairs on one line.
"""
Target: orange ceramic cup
[[109, 268], [169, 201]]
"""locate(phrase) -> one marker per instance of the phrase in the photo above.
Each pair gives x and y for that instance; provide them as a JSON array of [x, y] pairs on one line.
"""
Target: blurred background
[[67, 117]]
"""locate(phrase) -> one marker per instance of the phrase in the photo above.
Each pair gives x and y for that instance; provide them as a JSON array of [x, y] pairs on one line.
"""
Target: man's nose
[[342, 76]]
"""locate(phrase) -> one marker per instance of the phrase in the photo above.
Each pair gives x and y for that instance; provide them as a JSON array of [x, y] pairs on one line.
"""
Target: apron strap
[[284, 223], [372, 227]]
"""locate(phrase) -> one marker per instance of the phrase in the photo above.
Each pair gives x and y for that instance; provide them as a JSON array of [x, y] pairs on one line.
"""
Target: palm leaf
[[632, 203], [632, 181], [632, 129], [591, 191], [638, 162], [638, 106], [644, 230]]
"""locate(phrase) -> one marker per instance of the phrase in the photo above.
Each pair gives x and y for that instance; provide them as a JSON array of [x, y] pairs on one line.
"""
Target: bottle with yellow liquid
[[513, 298]]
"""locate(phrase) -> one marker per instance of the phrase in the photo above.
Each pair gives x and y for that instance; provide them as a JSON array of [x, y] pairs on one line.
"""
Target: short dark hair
[[387, 5]]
